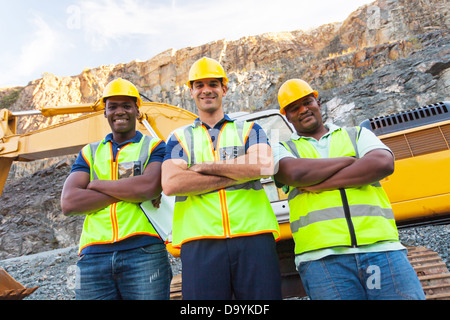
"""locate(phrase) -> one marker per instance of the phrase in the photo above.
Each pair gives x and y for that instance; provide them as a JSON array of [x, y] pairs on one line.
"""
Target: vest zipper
[[114, 176], [348, 217], [114, 171], [222, 195]]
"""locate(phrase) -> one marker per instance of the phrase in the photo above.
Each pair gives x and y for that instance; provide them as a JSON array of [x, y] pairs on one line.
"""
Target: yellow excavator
[[418, 189]]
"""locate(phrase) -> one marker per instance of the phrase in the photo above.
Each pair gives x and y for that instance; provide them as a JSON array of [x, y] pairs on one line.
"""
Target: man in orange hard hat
[[223, 220], [346, 239], [121, 254]]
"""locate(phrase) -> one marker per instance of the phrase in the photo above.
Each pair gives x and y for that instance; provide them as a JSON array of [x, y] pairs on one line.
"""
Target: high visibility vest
[[240, 210], [347, 217], [122, 219]]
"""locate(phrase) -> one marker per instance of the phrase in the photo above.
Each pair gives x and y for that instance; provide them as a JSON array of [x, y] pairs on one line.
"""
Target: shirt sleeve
[[158, 152], [174, 149], [368, 141], [80, 164], [256, 135], [280, 152]]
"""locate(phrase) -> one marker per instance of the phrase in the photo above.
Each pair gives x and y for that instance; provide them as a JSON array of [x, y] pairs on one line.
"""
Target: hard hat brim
[[282, 109], [101, 101]]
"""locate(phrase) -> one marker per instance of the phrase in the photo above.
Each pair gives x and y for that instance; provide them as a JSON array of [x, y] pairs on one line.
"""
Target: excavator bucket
[[5, 165]]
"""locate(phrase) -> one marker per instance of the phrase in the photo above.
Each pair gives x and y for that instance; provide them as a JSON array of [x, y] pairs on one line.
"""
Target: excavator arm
[[157, 119]]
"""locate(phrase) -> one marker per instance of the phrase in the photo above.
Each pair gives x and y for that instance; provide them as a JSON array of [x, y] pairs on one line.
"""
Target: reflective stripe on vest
[[239, 210], [349, 217], [122, 219]]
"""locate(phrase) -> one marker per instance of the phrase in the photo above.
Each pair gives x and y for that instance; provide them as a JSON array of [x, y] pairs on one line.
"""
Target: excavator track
[[175, 288], [432, 272]]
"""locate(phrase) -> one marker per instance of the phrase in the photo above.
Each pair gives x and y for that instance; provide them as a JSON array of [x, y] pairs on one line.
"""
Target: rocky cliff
[[387, 56]]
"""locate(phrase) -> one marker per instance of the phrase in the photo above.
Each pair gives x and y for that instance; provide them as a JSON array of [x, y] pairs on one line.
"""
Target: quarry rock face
[[386, 57]]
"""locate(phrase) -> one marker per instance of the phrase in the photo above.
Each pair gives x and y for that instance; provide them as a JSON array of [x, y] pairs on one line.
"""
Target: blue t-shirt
[[256, 135], [135, 241], [157, 154]]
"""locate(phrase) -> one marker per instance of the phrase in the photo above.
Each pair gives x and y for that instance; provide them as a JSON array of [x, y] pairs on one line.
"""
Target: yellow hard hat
[[292, 90], [206, 68], [120, 87]]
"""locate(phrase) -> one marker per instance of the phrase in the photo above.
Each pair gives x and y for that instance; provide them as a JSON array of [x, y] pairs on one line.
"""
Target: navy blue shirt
[[135, 241], [256, 135], [157, 154]]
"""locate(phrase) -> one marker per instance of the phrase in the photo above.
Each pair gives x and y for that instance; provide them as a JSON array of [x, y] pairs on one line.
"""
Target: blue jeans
[[137, 274], [364, 276]]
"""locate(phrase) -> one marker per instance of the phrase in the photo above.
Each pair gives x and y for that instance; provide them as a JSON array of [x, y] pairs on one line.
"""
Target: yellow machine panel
[[419, 188]]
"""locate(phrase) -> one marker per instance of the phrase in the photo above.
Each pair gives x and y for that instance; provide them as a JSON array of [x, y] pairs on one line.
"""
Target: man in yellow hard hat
[[346, 239], [121, 254], [223, 221]]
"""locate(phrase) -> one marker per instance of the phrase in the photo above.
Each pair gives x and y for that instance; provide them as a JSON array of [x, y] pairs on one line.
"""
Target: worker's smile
[[208, 99], [306, 116], [122, 123], [121, 120]]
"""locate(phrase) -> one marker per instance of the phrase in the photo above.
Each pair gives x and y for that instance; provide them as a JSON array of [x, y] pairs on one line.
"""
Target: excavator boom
[[69, 137]]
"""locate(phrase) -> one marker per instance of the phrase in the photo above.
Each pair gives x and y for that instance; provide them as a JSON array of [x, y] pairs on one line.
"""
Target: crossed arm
[[81, 196], [179, 179], [332, 173]]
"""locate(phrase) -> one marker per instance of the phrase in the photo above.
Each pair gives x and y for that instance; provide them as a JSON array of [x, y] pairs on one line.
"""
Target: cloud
[[109, 21], [41, 47], [74, 34], [109, 24]]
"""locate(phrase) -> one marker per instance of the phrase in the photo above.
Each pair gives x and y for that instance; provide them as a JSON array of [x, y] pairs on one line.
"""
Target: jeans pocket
[[154, 248], [302, 267], [85, 258], [404, 278]]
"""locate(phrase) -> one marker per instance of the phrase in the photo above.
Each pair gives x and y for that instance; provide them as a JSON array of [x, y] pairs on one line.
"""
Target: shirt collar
[[136, 139], [219, 124], [330, 126]]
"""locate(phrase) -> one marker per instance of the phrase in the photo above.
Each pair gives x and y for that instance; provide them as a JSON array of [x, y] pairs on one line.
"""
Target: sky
[[65, 37]]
